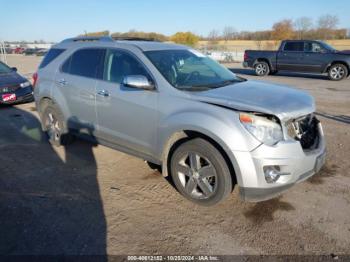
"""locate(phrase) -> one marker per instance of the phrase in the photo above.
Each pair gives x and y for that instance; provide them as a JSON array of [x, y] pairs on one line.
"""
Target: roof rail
[[130, 38], [88, 39]]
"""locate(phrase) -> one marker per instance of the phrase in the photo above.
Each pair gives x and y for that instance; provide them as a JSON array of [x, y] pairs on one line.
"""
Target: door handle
[[103, 93], [62, 82]]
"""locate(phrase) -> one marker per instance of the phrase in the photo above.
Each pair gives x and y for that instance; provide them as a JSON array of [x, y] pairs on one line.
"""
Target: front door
[[126, 116]]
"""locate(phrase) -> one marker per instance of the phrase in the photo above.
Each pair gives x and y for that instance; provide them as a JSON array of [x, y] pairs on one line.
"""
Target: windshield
[[190, 70], [4, 69]]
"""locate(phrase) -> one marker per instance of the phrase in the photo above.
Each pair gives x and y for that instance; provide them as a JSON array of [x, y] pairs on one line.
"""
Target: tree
[[328, 21], [303, 24], [101, 33], [229, 33], [185, 38], [326, 25], [213, 35], [283, 30]]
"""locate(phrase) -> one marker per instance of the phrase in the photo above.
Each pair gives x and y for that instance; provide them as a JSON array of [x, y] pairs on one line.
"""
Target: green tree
[[185, 38]]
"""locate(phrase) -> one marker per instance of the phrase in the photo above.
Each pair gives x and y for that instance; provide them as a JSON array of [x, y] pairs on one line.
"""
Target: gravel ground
[[89, 199]]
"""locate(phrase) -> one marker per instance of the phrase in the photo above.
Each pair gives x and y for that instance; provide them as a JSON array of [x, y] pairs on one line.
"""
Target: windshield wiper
[[220, 84]]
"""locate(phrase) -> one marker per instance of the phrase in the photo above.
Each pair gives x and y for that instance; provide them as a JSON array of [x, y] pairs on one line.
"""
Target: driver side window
[[119, 64]]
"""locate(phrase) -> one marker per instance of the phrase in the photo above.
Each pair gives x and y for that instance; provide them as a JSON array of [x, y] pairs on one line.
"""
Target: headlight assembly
[[263, 129], [25, 84]]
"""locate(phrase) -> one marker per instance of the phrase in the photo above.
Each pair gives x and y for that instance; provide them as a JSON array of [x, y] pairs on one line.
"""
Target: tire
[[337, 72], [262, 68], [55, 126], [200, 172]]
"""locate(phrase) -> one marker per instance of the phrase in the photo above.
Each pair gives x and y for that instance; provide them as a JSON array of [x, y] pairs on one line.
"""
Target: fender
[[225, 134]]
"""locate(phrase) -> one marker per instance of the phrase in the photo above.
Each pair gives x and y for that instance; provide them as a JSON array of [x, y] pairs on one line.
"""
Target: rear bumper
[[22, 95], [295, 165]]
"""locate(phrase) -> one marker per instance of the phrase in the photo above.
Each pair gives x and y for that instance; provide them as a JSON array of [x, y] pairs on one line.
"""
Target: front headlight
[[25, 84], [265, 130]]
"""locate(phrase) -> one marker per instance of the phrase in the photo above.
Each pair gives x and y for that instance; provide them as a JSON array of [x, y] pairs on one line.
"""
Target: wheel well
[[263, 60], [189, 135], [339, 62]]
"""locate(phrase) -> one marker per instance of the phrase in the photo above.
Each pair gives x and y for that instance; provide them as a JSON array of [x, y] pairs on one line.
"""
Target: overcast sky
[[54, 20]]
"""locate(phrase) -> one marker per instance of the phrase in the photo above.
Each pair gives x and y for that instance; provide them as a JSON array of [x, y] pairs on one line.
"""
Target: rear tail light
[[35, 79], [245, 57]]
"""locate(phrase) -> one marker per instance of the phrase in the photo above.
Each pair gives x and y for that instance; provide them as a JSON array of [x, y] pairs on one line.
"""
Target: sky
[[54, 20]]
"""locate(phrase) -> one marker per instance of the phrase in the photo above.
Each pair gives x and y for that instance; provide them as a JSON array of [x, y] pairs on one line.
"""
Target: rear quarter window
[[50, 56]]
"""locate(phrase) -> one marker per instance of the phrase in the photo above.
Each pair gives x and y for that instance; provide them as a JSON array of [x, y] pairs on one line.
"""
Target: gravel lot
[[89, 199]]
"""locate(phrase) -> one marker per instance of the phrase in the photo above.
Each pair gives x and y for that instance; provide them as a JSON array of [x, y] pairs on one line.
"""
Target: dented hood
[[281, 101]]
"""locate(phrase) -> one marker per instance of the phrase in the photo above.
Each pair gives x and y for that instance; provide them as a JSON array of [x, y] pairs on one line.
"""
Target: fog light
[[272, 173]]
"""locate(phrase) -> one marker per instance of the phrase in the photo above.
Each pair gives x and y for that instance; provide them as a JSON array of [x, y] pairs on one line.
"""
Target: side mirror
[[14, 69], [138, 81]]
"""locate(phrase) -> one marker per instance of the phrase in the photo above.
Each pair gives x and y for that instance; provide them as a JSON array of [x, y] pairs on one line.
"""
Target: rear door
[[126, 116], [77, 80], [290, 57]]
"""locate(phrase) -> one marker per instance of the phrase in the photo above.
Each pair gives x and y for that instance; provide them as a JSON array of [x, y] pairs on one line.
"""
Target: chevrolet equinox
[[176, 108]]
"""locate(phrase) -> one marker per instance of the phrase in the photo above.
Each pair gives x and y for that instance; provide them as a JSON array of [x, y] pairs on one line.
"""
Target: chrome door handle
[[103, 93], [62, 82]]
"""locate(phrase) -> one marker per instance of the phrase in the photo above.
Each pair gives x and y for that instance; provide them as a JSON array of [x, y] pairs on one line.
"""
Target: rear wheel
[[54, 126], [262, 69], [200, 172], [337, 72]]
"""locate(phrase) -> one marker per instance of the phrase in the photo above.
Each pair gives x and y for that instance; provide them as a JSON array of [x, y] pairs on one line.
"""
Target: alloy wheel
[[261, 69], [197, 175], [337, 72]]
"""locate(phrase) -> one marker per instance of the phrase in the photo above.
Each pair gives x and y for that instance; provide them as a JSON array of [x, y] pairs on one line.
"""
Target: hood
[[343, 52], [11, 79], [262, 97]]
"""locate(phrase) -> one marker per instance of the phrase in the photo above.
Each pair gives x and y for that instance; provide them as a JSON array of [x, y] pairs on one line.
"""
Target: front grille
[[9, 89], [305, 130]]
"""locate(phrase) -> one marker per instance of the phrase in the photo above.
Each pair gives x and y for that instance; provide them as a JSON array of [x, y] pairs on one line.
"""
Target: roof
[[143, 44]]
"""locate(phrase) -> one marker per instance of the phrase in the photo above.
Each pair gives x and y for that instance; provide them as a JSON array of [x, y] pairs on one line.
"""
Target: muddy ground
[[89, 199]]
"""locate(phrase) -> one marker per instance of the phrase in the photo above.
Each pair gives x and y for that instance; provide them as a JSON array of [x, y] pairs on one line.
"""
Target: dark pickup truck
[[300, 56]]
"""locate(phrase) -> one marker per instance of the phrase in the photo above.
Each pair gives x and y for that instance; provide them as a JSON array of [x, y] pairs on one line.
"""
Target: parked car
[[175, 107], [30, 51], [14, 88], [41, 52], [19, 50], [300, 56]]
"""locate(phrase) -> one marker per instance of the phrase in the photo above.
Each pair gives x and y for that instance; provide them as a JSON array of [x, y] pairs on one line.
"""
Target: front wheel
[[200, 172], [337, 72], [262, 69]]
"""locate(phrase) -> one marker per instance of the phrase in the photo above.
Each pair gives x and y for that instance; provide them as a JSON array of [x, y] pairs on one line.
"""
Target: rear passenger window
[[294, 46], [86, 62], [120, 64], [50, 56]]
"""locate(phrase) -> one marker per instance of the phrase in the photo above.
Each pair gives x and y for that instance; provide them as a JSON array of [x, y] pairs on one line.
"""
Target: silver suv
[[174, 107]]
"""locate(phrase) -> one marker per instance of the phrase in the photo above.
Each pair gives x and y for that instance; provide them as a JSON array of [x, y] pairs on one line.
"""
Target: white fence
[[3, 52]]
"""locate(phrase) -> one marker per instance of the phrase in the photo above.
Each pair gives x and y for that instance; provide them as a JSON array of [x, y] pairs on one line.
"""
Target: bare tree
[[302, 25], [213, 35], [326, 24], [229, 33], [328, 21]]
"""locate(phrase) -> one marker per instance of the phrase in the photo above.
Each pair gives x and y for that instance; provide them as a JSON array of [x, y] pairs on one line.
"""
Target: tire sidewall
[[204, 148]]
